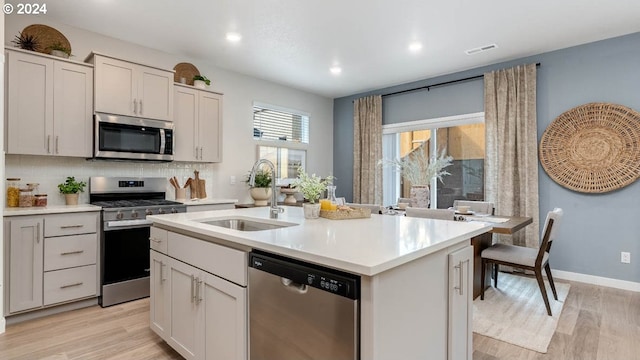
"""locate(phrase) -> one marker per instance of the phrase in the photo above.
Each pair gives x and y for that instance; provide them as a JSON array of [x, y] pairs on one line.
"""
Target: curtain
[[511, 168], [367, 150]]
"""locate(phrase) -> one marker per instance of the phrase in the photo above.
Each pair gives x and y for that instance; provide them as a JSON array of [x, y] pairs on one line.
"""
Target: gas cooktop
[[134, 203]]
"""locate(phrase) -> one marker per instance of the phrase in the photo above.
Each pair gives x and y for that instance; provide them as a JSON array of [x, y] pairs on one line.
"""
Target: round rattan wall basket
[[593, 148]]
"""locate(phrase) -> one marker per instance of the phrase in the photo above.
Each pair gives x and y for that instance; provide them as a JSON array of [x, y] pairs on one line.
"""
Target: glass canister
[[34, 191], [40, 200], [26, 198], [13, 192]]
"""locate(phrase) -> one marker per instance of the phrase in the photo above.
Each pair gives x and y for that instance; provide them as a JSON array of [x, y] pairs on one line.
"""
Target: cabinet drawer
[[70, 251], [69, 284], [70, 224], [227, 263], [158, 240]]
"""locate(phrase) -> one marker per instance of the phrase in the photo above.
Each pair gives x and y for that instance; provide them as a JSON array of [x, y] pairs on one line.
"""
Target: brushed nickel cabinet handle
[[57, 150], [135, 106], [71, 226], [140, 101], [37, 233], [48, 144], [193, 281], [198, 294], [155, 241], [72, 252], [162, 272], [200, 152], [70, 285]]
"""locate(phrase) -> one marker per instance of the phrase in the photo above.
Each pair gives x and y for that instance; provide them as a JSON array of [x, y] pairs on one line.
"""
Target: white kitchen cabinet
[[25, 252], [126, 88], [198, 123], [198, 312], [52, 259], [460, 323], [50, 106]]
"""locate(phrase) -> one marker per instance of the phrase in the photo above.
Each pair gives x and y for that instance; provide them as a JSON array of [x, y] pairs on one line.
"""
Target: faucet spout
[[274, 210]]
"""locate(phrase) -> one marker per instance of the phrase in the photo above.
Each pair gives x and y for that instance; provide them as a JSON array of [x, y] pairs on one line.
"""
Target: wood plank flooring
[[596, 323]]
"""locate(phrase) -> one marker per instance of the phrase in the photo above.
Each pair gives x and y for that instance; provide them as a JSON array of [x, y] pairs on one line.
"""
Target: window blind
[[280, 125]]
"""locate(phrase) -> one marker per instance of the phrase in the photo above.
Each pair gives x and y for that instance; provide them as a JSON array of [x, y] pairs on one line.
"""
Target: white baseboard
[[596, 280]]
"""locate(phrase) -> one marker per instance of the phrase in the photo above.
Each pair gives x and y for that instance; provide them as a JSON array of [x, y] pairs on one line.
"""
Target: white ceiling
[[295, 42]]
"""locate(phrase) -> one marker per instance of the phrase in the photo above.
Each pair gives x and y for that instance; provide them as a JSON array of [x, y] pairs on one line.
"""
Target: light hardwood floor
[[596, 323]]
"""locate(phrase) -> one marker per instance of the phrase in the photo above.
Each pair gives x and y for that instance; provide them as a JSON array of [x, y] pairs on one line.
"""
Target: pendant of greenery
[[71, 186]]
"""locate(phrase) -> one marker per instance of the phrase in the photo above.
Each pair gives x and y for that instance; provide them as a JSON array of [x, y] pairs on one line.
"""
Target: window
[[279, 124], [462, 137], [282, 136]]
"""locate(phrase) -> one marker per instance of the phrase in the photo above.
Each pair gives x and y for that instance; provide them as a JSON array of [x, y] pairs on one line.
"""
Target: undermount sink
[[243, 224]]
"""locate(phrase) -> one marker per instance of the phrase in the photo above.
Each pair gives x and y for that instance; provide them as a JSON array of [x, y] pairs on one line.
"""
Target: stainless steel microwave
[[126, 137]]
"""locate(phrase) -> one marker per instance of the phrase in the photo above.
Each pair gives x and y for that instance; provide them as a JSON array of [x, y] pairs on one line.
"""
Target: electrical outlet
[[232, 180], [625, 257]]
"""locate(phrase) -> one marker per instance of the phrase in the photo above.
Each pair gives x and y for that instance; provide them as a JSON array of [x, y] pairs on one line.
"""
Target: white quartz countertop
[[360, 246], [208, 201], [53, 209]]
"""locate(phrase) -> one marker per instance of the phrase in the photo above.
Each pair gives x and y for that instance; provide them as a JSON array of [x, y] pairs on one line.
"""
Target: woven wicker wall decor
[[185, 70], [593, 148], [46, 37]]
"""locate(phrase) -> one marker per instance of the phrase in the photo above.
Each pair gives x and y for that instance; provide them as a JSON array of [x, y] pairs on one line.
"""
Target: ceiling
[[295, 42]]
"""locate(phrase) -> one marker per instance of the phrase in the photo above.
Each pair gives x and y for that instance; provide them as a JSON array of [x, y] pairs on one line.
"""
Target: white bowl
[[463, 209]]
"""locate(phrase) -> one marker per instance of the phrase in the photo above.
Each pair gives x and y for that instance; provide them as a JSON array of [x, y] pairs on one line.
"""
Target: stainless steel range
[[124, 238]]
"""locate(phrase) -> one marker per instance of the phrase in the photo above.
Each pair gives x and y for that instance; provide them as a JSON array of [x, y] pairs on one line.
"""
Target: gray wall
[[596, 228]]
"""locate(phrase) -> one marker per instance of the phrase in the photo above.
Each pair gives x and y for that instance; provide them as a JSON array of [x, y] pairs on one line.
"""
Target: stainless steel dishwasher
[[301, 311]]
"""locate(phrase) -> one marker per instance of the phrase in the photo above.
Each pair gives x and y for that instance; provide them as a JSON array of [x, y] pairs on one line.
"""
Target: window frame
[[306, 127]]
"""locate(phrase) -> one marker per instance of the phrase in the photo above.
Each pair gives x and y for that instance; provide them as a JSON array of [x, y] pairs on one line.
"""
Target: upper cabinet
[[49, 105], [125, 88], [198, 125]]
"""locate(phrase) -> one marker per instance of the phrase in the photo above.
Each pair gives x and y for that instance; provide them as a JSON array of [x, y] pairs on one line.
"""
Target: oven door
[[125, 265], [123, 137]]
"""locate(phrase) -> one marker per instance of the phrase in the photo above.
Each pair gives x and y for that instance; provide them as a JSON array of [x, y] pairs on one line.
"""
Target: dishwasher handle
[[294, 286]]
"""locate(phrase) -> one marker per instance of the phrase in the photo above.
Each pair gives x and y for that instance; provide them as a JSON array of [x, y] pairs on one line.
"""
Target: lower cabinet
[[199, 314], [460, 322]]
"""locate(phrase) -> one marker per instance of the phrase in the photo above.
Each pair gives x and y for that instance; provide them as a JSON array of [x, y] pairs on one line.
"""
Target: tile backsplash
[[49, 171]]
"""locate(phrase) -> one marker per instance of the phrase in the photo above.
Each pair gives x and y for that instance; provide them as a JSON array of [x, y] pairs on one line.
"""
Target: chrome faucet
[[275, 209]]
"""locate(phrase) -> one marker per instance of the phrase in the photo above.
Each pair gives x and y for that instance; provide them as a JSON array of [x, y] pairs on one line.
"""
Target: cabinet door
[[460, 304], [159, 310], [184, 323], [209, 126], [72, 109], [185, 118], [225, 318], [25, 263], [115, 87], [30, 104], [155, 93]]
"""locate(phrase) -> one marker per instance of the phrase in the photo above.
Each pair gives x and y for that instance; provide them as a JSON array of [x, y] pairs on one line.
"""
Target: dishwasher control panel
[[306, 274]]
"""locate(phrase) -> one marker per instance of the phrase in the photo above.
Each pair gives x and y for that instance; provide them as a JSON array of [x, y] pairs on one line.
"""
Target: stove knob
[[148, 212], [161, 211], [119, 215], [174, 211], [134, 214]]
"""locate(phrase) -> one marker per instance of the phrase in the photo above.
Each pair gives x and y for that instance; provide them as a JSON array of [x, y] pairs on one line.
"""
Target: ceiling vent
[[481, 49]]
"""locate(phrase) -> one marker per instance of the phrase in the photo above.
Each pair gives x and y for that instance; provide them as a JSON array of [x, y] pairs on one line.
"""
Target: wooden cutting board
[[198, 187]]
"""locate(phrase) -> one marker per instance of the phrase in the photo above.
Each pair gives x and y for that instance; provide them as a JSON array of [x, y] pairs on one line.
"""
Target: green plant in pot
[[200, 81], [26, 42], [311, 187], [71, 189], [60, 50], [261, 191]]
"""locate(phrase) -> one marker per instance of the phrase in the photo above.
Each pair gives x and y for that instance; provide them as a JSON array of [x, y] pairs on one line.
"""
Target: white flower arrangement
[[311, 186], [418, 168]]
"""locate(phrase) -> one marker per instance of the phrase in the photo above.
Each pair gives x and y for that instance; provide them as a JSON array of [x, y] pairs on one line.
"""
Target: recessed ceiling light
[[335, 70], [233, 37], [415, 46]]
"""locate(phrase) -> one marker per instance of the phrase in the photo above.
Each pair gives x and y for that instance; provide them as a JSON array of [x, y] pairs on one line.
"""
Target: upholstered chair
[[478, 207], [442, 214]]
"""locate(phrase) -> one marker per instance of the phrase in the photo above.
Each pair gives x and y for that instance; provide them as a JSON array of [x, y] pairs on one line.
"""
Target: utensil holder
[[181, 194]]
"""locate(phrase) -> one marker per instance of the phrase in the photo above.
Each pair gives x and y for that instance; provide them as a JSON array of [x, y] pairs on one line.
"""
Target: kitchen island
[[411, 271]]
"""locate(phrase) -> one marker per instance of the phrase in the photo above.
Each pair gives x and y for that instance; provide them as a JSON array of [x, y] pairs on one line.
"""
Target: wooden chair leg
[[482, 272], [547, 269], [495, 275], [543, 290]]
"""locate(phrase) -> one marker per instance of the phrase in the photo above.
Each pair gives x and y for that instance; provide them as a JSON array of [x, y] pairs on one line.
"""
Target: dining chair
[[442, 214], [478, 207], [526, 258]]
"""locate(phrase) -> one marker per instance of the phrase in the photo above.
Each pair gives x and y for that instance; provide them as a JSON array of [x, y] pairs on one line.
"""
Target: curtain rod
[[438, 84]]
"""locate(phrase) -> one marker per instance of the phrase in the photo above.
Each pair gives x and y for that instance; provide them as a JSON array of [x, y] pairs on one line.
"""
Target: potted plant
[[60, 50], [26, 42], [200, 81], [311, 188], [417, 168], [261, 190], [71, 189]]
